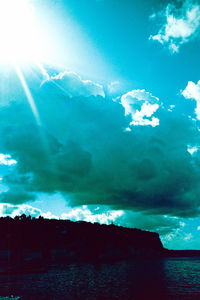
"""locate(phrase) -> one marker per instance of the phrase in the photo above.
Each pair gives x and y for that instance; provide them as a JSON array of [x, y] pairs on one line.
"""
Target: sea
[[167, 278]]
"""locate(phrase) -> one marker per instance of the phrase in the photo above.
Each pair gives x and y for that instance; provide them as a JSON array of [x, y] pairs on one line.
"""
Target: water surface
[[173, 278]]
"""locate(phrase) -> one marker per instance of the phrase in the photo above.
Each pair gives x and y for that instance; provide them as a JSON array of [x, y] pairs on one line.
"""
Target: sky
[[100, 113]]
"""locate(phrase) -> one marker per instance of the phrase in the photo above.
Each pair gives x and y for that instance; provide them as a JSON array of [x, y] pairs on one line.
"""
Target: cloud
[[71, 84], [192, 91], [188, 236], [85, 214], [180, 239], [141, 105], [17, 210], [162, 224], [84, 151], [16, 196], [5, 159], [181, 25], [192, 150]]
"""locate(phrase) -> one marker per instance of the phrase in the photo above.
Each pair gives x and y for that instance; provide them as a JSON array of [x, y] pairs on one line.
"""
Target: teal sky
[[100, 111]]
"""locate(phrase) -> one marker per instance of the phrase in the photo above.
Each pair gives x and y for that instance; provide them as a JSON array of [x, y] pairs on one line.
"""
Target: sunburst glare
[[20, 38]]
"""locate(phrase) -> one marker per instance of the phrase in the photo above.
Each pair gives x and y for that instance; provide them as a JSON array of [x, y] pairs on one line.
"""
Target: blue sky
[[100, 111]]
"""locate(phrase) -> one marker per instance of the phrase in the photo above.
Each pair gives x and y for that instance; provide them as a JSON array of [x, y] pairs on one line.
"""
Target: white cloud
[[177, 238], [17, 210], [171, 107], [192, 91], [181, 25], [5, 159], [48, 215], [72, 84], [198, 228], [85, 214], [170, 236], [192, 150], [141, 105], [188, 236], [182, 224]]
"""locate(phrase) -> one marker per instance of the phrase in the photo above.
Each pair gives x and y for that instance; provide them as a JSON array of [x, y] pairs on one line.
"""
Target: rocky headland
[[26, 239], [29, 244]]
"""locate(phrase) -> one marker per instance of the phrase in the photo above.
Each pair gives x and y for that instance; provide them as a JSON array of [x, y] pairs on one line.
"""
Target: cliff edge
[[25, 239]]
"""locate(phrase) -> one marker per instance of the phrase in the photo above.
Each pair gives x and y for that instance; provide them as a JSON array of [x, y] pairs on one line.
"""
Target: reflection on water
[[142, 279], [183, 277]]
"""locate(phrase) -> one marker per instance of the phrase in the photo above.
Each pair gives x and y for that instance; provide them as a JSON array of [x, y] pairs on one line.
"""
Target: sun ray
[[28, 94], [48, 78], [43, 138], [43, 70]]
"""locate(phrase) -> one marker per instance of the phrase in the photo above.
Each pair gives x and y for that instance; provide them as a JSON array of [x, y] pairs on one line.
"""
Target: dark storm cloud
[[159, 223], [85, 151]]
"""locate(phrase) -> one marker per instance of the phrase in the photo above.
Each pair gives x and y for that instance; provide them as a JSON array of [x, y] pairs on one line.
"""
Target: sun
[[21, 42], [20, 39]]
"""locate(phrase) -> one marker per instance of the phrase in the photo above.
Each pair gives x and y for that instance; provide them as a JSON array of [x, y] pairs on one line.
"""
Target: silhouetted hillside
[[26, 239]]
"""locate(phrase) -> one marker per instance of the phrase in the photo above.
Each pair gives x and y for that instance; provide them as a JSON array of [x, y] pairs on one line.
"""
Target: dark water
[[177, 278]]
